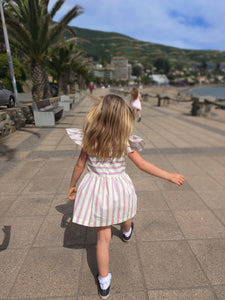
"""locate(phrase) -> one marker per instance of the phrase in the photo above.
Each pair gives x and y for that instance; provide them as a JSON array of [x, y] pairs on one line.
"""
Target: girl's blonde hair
[[134, 93], [107, 128]]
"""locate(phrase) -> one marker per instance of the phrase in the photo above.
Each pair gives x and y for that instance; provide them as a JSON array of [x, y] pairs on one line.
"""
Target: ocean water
[[218, 92]]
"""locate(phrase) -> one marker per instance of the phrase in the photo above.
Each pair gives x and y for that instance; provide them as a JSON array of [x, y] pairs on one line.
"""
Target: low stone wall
[[14, 118]]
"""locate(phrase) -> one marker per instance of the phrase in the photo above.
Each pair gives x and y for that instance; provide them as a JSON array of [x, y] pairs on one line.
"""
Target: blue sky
[[188, 24]]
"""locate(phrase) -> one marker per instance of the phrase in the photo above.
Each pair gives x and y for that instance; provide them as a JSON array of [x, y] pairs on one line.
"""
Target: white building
[[160, 79]]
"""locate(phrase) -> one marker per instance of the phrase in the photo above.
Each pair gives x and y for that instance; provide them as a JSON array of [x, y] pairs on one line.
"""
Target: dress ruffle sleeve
[[76, 135], [135, 143]]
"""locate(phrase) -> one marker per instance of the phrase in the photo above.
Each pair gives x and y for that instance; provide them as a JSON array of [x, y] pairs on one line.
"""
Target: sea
[[218, 92]]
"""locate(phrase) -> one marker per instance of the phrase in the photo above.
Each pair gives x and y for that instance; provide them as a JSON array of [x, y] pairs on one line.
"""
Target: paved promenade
[[177, 251]]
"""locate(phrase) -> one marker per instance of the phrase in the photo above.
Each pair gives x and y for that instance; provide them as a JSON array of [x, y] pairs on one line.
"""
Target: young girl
[[136, 102], [106, 194]]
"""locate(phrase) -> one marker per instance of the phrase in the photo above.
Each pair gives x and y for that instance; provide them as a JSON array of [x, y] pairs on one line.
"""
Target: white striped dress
[[106, 194]]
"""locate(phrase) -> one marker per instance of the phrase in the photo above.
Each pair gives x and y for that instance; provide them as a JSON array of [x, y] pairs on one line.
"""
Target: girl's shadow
[[81, 237]]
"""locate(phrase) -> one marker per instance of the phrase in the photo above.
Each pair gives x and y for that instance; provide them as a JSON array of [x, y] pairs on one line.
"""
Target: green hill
[[103, 45]]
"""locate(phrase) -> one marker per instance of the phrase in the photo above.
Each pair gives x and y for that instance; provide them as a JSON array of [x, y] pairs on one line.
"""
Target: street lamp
[[9, 54]]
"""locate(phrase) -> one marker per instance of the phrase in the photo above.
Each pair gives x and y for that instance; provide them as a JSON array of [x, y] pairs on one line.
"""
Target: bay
[[218, 92]]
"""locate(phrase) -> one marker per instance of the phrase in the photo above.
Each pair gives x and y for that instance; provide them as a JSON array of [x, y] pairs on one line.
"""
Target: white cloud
[[193, 24]]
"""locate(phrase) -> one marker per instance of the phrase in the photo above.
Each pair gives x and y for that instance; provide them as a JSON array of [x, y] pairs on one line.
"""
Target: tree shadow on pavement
[[7, 152]]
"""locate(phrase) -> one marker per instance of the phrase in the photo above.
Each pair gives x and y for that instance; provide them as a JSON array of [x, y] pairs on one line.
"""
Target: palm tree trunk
[[72, 78], [39, 79], [72, 87], [62, 82]]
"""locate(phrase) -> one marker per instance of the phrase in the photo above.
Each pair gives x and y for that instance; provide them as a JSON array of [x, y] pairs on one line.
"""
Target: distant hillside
[[103, 45]]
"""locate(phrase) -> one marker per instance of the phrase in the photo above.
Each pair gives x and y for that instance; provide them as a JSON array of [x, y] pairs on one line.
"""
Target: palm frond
[[73, 13], [56, 7]]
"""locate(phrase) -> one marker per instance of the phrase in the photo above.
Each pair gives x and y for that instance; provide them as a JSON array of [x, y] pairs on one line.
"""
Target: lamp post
[[9, 54]]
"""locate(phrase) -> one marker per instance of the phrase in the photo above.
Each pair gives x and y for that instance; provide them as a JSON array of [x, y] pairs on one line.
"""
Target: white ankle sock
[[104, 281], [127, 233]]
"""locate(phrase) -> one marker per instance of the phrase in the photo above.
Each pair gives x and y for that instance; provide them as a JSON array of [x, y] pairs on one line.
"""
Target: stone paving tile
[[220, 213], [6, 201], [213, 199], [204, 182], [30, 205], [220, 180], [13, 187], [141, 184], [10, 264], [211, 255], [220, 291], [183, 200], [44, 185], [46, 148], [151, 201], [118, 296], [199, 224], [23, 230], [27, 169], [210, 166], [156, 226], [51, 233], [190, 294], [170, 265], [57, 167], [47, 272], [186, 166], [220, 159]]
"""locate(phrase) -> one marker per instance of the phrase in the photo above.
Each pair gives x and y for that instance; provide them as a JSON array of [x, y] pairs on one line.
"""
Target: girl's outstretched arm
[[153, 170], [77, 171]]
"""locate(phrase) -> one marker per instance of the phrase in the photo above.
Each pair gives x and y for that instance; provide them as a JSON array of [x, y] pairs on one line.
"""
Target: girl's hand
[[176, 178], [72, 192]]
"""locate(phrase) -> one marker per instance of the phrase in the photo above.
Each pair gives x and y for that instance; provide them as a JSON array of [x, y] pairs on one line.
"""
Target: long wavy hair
[[107, 128], [134, 94]]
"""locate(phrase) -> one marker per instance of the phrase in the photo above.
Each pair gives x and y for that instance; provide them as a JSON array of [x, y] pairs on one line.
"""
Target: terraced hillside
[[103, 45]]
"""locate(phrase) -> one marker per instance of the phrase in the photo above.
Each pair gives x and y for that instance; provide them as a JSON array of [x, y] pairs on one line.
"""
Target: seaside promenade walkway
[[177, 251]]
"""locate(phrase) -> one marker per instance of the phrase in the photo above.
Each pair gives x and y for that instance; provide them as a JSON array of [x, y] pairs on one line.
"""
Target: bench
[[45, 113], [66, 102]]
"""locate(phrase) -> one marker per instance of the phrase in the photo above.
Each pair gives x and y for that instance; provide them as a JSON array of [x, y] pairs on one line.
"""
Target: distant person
[[106, 195], [91, 87], [136, 102]]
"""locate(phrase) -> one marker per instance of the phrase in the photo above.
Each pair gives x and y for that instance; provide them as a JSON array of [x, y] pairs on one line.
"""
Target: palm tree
[[33, 32], [67, 61]]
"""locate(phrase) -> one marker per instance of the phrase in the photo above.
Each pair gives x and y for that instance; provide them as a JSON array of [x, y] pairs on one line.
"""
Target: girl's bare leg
[[139, 115], [126, 225], [102, 251]]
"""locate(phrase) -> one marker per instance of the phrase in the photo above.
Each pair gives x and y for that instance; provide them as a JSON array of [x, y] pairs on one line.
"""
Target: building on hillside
[[120, 67], [104, 73], [197, 66], [202, 79], [221, 66], [210, 66], [129, 71], [159, 79]]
